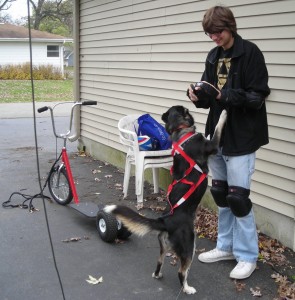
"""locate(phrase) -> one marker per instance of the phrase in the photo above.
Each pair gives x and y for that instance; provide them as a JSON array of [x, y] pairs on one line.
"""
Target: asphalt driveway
[[27, 268]]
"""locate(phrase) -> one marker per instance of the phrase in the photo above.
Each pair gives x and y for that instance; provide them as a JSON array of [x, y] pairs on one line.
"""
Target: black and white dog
[[176, 227]]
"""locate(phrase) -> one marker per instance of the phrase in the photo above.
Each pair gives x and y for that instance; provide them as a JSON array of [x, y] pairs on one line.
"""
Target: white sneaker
[[242, 270], [215, 255]]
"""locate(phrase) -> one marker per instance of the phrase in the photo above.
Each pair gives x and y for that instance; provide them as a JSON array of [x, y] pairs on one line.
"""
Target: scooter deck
[[88, 209]]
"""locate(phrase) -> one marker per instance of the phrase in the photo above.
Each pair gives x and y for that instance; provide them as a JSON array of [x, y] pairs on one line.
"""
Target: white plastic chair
[[141, 159]]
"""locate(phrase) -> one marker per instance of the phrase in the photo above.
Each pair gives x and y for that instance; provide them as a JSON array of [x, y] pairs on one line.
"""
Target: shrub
[[22, 72]]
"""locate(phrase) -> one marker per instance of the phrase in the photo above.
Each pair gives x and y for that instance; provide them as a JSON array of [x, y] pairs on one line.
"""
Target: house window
[[52, 51]]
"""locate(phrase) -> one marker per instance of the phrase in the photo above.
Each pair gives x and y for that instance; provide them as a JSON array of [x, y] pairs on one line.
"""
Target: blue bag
[[147, 125]]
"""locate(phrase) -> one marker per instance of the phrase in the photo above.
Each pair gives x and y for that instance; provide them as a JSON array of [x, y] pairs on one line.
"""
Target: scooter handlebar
[[42, 109], [89, 102]]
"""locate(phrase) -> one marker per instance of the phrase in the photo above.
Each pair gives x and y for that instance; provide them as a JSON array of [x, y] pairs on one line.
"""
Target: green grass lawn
[[12, 91]]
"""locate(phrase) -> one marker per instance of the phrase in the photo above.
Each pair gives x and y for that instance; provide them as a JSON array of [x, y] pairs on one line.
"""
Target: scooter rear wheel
[[107, 226]]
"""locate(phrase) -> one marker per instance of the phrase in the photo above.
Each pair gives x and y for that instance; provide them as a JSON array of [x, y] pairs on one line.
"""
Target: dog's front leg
[[164, 247]]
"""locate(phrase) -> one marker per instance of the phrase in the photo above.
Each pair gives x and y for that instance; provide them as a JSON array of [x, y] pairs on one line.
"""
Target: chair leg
[[156, 179], [139, 180], [127, 174]]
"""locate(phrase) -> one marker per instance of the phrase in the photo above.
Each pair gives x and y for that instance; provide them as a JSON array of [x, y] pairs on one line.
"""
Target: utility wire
[[37, 154]]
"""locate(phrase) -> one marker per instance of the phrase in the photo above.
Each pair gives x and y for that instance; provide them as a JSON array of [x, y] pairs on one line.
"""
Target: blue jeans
[[236, 235]]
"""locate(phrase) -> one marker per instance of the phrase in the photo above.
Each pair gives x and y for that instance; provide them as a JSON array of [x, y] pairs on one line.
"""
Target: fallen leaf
[[93, 280], [74, 239], [161, 199], [256, 292], [200, 250], [239, 285]]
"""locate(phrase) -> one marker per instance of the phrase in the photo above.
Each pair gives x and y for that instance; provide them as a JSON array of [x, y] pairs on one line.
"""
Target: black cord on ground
[[23, 205], [30, 206]]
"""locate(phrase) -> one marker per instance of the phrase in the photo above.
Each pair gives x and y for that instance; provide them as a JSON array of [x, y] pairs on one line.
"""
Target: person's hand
[[190, 93]]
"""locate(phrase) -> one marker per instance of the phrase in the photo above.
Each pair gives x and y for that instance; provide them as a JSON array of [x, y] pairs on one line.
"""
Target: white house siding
[[139, 56], [15, 52]]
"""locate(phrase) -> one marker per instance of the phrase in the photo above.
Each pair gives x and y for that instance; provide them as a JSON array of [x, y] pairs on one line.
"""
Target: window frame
[[53, 51]]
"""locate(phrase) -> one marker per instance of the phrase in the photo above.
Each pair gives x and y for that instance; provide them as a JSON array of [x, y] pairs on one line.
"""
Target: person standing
[[237, 68]]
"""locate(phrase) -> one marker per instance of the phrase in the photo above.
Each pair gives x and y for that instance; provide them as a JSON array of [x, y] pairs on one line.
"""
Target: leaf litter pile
[[270, 251]]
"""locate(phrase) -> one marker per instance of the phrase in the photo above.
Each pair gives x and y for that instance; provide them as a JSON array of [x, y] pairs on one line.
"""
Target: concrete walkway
[[25, 110]]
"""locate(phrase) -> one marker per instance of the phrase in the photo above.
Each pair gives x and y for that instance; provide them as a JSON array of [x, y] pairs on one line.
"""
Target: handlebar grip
[[42, 109], [89, 102]]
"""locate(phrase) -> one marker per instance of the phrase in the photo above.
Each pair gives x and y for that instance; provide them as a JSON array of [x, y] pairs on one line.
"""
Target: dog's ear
[[165, 117]]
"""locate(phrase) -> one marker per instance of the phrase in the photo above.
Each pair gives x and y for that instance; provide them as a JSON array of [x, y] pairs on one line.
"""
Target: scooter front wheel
[[59, 186]]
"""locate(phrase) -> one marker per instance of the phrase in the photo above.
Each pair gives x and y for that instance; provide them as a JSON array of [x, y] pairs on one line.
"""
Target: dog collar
[[180, 128]]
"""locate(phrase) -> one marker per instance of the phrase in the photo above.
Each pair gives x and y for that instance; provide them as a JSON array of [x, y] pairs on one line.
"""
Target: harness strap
[[177, 148], [182, 140], [188, 193]]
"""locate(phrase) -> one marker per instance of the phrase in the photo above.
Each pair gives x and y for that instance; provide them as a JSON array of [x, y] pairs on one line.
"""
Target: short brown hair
[[218, 18]]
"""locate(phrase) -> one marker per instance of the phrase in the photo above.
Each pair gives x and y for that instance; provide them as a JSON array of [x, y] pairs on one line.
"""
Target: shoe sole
[[242, 277], [218, 259]]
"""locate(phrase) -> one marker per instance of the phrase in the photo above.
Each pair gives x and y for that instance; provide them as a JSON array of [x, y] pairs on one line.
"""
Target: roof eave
[[36, 40]]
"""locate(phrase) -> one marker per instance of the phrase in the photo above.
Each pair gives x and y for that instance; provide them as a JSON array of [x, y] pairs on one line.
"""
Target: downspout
[[76, 81], [62, 61]]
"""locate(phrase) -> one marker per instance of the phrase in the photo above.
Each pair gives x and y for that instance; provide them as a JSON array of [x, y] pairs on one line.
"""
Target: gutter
[[36, 40]]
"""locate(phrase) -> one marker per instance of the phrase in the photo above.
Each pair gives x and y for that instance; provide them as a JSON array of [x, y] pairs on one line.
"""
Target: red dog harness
[[178, 149]]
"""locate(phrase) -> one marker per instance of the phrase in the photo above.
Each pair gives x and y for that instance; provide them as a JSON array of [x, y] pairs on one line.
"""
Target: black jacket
[[243, 97]]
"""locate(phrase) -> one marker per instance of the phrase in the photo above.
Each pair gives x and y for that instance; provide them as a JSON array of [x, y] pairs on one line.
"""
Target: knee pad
[[238, 201], [219, 191]]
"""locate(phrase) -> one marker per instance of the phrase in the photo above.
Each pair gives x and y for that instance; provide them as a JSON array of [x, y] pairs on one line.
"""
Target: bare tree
[[45, 15], [5, 4], [54, 9]]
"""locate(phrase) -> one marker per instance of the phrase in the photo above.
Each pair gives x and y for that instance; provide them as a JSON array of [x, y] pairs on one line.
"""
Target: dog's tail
[[134, 222]]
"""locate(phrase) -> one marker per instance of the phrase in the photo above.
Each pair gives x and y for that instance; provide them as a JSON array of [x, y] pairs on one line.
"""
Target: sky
[[18, 9]]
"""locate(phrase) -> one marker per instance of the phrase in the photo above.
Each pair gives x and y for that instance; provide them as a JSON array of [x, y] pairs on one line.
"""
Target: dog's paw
[[160, 275], [189, 290]]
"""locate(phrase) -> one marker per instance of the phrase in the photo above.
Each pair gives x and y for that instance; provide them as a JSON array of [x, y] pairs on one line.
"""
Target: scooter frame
[[61, 179]]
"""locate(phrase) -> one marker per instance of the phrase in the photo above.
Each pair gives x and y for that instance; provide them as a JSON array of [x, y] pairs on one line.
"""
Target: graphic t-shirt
[[224, 63]]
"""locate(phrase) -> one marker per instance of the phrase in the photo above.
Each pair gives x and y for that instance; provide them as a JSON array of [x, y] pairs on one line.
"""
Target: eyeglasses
[[217, 34]]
